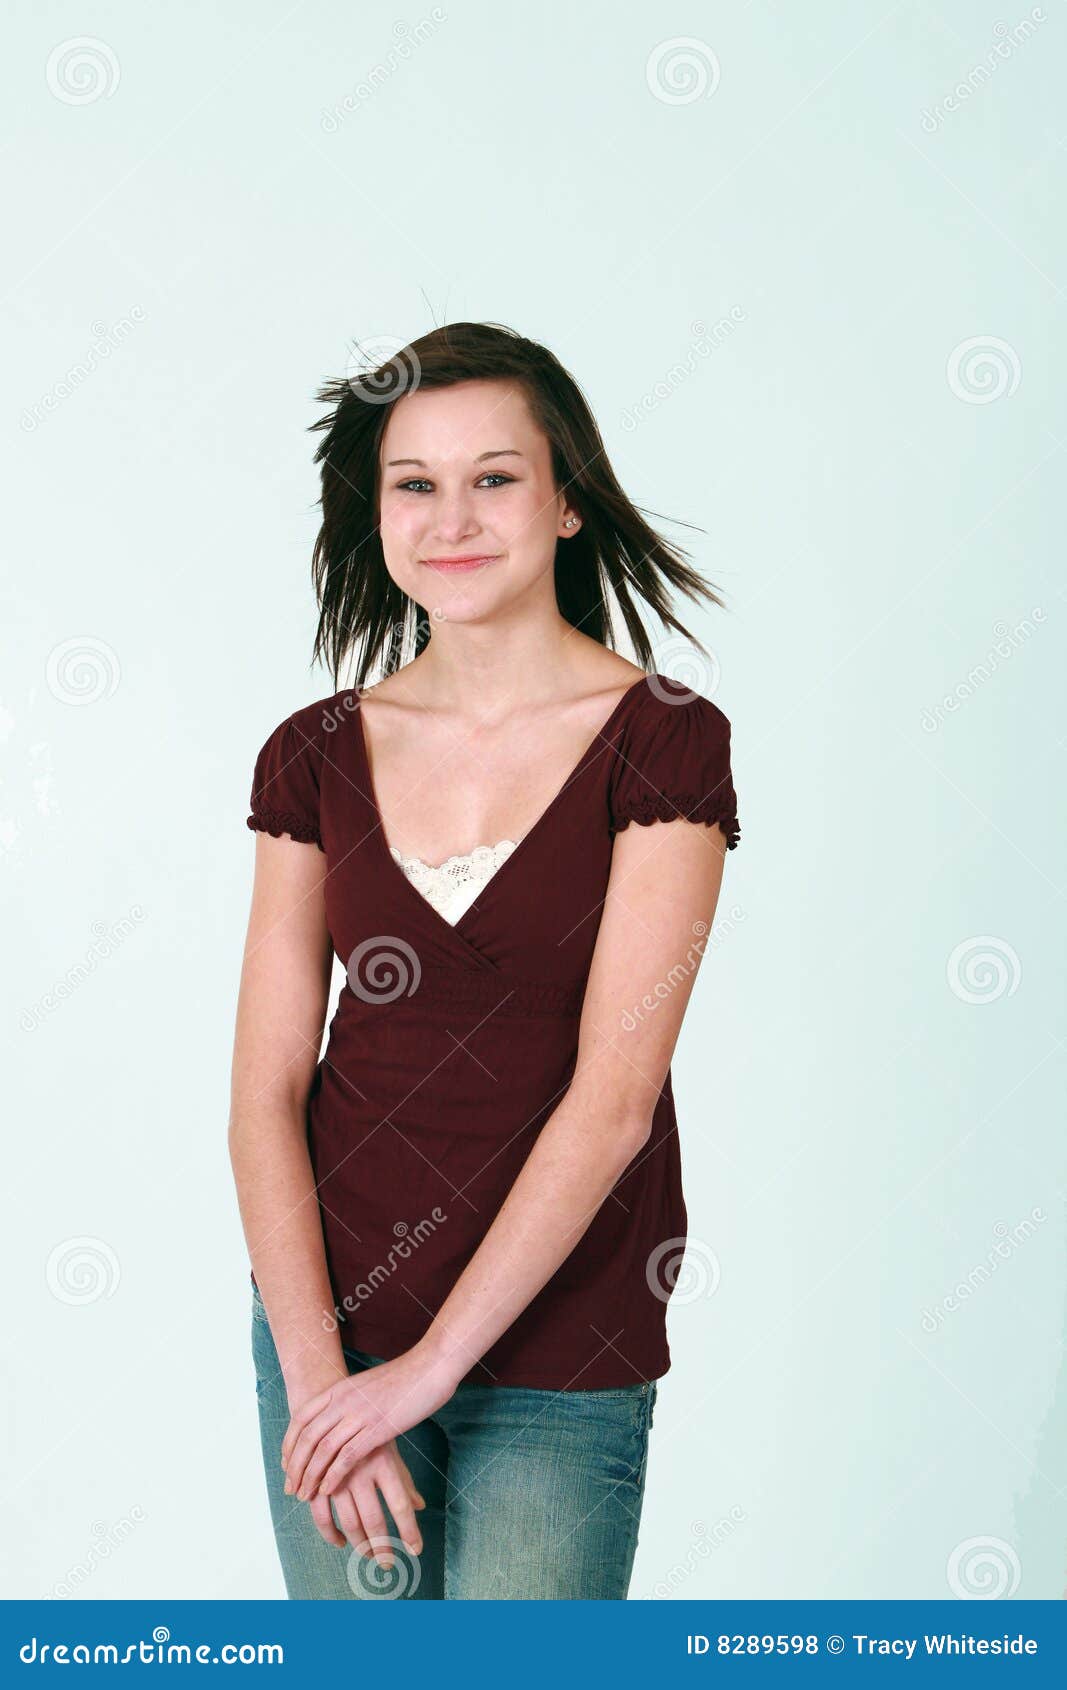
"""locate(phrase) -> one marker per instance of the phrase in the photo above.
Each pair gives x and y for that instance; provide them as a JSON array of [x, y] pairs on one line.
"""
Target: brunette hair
[[359, 603]]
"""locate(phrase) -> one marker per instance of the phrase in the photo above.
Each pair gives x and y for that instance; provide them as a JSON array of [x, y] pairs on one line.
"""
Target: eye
[[418, 482]]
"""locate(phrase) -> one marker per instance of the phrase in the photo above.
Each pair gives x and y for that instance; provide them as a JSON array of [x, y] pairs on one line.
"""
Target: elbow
[[255, 1123], [629, 1125], [636, 1129], [622, 1116]]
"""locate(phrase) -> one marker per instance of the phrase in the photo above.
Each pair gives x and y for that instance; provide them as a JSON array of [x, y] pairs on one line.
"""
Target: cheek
[[524, 519], [399, 524]]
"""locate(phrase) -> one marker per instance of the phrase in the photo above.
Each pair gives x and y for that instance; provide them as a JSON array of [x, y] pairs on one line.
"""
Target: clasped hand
[[332, 1432]]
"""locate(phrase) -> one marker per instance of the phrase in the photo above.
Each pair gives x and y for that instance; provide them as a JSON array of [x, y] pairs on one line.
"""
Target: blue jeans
[[530, 1494]]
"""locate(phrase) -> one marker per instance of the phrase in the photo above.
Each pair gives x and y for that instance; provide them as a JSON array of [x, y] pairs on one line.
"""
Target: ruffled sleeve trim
[[277, 822], [649, 807], [676, 764], [285, 786]]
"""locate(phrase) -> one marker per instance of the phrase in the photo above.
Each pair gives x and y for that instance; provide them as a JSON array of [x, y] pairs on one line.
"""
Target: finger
[[346, 1458], [398, 1500], [297, 1422], [323, 1455], [348, 1514], [370, 1508], [367, 1440], [306, 1443], [418, 1500], [320, 1513], [379, 1544]]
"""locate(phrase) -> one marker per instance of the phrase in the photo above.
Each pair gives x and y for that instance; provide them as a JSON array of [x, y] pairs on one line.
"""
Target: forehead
[[459, 424]]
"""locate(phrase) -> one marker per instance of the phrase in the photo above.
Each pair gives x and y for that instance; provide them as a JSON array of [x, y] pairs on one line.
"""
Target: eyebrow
[[505, 452]]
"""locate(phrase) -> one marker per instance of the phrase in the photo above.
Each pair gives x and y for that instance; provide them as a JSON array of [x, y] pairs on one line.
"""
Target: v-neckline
[[535, 828]]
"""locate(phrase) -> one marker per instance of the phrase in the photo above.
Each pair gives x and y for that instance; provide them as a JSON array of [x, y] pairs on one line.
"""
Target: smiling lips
[[455, 565]]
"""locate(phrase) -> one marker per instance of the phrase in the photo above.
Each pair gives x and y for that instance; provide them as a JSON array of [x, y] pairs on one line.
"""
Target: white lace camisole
[[452, 886]]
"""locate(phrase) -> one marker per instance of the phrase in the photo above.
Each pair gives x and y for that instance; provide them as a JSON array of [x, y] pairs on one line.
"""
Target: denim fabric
[[530, 1494]]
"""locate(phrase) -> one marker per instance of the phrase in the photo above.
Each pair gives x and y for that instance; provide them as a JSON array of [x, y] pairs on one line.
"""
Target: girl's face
[[468, 508]]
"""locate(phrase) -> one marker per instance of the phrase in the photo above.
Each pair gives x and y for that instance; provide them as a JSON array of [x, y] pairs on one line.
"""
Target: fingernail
[[288, 1488]]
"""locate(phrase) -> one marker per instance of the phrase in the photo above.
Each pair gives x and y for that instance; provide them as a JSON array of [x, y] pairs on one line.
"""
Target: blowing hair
[[614, 554]]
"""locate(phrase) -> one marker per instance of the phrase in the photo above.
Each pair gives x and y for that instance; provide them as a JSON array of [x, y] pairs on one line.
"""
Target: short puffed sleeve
[[676, 762], [285, 785]]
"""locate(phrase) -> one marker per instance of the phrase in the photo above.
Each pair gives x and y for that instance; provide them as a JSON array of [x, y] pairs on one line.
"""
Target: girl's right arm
[[281, 1010]]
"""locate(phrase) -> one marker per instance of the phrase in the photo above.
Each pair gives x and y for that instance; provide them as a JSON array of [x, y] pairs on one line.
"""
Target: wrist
[[441, 1357], [307, 1376]]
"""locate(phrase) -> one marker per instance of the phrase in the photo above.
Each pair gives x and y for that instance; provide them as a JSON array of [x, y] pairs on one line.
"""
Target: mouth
[[456, 565]]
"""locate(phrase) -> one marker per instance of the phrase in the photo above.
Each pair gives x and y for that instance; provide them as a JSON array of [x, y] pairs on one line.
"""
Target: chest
[[530, 912], [444, 792]]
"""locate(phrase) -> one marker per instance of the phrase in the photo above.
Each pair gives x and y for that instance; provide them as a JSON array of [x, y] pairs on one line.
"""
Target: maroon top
[[452, 1044]]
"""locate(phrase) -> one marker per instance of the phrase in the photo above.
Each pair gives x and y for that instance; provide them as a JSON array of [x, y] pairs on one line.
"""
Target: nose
[[454, 518]]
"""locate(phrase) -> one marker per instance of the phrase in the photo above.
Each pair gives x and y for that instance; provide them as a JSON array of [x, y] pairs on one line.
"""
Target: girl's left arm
[[659, 907]]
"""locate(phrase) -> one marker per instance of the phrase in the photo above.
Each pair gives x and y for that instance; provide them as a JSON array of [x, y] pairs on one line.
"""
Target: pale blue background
[[854, 1132]]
